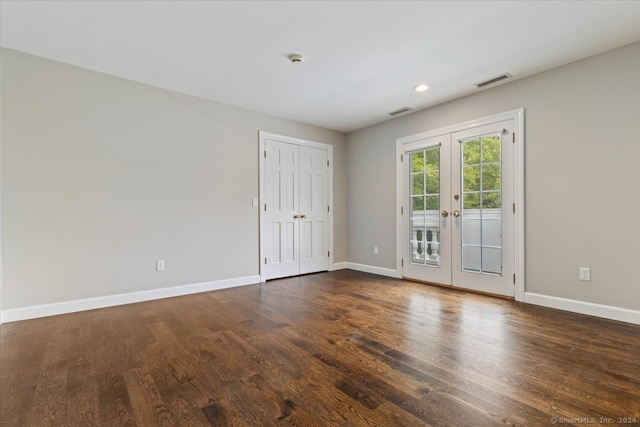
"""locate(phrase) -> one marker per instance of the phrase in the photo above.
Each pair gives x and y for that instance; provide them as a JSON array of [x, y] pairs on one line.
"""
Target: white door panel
[[484, 255], [281, 206], [428, 232], [313, 210]]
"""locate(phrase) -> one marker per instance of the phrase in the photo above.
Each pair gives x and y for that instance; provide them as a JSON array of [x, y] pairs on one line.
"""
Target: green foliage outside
[[425, 179], [481, 175]]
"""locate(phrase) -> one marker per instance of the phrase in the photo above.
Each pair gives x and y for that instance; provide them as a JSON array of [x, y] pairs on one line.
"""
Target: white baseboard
[[375, 270], [24, 313], [598, 310], [16, 314], [339, 266]]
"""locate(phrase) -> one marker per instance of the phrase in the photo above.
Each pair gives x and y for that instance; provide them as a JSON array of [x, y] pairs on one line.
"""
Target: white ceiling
[[362, 58]]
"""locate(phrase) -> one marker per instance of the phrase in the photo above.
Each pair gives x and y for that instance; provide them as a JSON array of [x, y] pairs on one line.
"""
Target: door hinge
[[513, 137], [514, 279], [514, 208], [328, 210], [401, 158], [328, 253], [265, 154], [265, 260], [401, 210], [402, 262], [265, 207], [327, 163]]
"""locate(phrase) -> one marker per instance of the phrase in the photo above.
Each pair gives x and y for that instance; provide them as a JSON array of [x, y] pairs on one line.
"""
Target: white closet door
[[282, 226], [296, 217], [314, 231]]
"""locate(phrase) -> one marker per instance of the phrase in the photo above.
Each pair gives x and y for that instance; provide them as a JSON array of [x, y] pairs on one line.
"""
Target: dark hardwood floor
[[331, 349]]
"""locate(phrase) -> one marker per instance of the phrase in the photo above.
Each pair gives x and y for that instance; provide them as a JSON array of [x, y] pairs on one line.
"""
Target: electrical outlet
[[375, 250], [160, 265], [585, 274]]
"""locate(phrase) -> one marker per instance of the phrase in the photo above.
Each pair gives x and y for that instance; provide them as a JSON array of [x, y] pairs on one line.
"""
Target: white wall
[[103, 176], [582, 154]]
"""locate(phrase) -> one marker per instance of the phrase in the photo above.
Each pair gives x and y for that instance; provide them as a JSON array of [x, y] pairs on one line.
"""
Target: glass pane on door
[[482, 204], [425, 206]]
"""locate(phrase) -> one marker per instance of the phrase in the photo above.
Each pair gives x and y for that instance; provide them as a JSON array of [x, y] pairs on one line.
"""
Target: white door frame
[[263, 136], [518, 163]]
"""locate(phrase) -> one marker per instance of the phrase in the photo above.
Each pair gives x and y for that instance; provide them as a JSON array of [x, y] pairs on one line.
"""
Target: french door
[[458, 203], [295, 220]]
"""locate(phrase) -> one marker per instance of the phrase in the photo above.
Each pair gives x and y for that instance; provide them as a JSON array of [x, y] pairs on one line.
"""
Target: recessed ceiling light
[[421, 87]]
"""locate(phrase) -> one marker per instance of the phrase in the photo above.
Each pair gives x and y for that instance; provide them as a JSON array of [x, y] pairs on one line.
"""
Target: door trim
[[263, 136], [518, 186]]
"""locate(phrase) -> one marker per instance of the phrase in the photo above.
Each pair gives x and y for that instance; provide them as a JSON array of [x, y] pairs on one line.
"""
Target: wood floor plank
[[148, 407], [334, 349], [81, 397], [328, 393], [22, 352], [423, 378], [112, 357], [48, 405]]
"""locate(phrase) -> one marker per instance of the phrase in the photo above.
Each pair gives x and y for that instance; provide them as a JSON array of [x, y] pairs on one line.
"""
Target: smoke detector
[[296, 58]]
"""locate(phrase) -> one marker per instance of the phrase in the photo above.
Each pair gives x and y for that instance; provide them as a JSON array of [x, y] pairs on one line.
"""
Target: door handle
[[456, 213], [445, 214], [303, 216], [296, 216]]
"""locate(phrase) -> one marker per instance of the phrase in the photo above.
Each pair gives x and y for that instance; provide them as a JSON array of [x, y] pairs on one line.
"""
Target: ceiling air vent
[[401, 111], [494, 80]]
